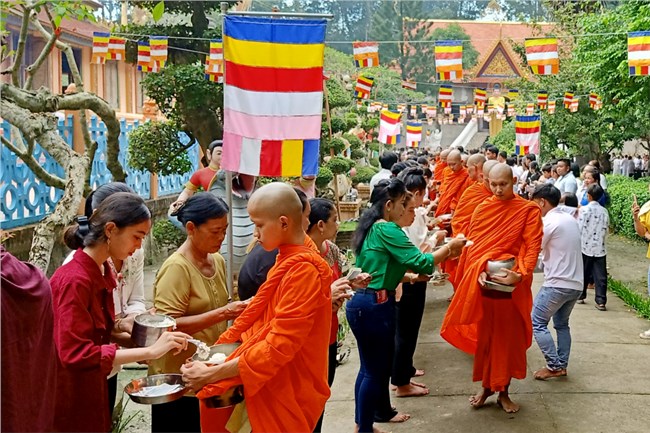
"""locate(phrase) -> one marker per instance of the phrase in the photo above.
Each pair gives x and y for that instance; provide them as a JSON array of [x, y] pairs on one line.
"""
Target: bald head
[[502, 181], [475, 166], [276, 211], [487, 167], [454, 160], [444, 154]]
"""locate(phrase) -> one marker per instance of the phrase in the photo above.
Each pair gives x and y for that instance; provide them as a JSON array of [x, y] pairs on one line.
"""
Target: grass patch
[[348, 226], [631, 298]]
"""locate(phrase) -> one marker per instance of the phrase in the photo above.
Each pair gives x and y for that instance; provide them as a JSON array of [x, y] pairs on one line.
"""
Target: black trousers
[[331, 370], [408, 318], [595, 269], [112, 393], [182, 415]]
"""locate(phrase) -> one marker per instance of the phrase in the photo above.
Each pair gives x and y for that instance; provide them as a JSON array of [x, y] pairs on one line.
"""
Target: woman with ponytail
[[84, 313], [384, 251]]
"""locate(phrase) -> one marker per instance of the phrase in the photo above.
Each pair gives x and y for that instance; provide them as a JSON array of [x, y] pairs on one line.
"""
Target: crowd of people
[[483, 220]]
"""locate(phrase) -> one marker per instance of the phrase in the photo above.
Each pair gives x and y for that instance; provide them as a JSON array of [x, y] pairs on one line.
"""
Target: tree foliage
[[155, 147]]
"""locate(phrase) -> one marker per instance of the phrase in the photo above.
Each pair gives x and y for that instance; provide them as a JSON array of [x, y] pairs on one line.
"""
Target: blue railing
[[25, 199]]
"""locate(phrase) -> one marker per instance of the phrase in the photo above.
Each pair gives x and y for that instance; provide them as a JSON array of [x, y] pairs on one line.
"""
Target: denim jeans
[[556, 303], [373, 325]]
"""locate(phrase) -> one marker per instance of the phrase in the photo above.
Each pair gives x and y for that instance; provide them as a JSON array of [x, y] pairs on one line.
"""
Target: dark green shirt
[[387, 253]]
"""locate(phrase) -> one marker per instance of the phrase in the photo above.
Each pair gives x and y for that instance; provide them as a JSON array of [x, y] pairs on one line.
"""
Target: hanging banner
[[445, 95], [116, 48], [638, 53], [542, 99], [389, 127], [513, 94], [413, 134], [568, 98], [144, 56], [480, 96], [542, 56], [449, 60], [366, 54], [527, 134], [100, 47], [158, 52], [551, 107], [363, 87]]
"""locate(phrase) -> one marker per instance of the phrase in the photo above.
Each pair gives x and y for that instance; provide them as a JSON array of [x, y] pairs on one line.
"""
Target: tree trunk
[[205, 127]]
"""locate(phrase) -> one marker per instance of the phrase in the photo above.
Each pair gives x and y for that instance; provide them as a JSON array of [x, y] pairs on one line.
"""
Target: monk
[[495, 326], [455, 176], [282, 361], [440, 167], [475, 192]]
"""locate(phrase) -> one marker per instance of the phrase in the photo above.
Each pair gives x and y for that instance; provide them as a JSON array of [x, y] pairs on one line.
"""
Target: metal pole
[[229, 237], [277, 14]]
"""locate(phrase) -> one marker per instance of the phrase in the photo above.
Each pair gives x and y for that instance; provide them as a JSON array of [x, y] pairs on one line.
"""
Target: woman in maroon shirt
[[84, 313]]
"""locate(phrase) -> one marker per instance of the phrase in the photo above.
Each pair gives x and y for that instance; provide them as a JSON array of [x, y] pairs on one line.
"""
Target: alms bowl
[[147, 328], [226, 349], [494, 267], [137, 385]]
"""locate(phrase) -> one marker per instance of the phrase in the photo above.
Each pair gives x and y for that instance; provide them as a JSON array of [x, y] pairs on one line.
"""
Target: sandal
[[601, 307], [580, 301], [645, 335]]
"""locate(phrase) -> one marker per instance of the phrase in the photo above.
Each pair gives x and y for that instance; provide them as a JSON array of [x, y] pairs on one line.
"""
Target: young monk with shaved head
[[492, 325], [440, 166], [282, 361], [453, 184]]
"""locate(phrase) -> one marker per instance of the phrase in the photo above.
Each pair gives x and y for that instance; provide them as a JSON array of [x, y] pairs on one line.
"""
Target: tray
[[171, 379], [499, 287]]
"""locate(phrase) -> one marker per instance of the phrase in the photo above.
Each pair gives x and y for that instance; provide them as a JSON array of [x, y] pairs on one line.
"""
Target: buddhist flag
[[449, 60], [424, 108], [511, 110], [116, 48], [366, 54], [568, 98], [480, 96], [575, 104], [530, 108], [542, 56], [273, 95], [414, 110], [470, 109], [513, 94], [432, 111], [542, 99], [389, 126], [551, 107], [158, 51], [638, 52], [401, 108], [214, 62], [363, 87], [594, 100], [413, 134], [100, 47], [144, 56], [409, 85], [490, 108], [527, 133], [445, 95]]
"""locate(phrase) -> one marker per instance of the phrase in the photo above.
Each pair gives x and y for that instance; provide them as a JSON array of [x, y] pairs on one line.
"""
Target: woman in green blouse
[[384, 251]]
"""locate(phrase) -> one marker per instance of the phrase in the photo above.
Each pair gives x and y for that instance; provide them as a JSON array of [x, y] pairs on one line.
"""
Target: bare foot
[[418, 373], [412, 390], [545, 373], [478, 401], [506, 404], [374, 429], [400, 417]]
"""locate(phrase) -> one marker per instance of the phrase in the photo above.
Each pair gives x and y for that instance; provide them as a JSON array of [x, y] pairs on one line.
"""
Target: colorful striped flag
[[511, 110], [158, 52], [551, 107], [530, 108], [638, 53], [480, 96], [470, 109], [389, 126], [432, 111], [401, 108], [490, 108], [445, 95], [542, 56], [542, 99], [593, 100], [568, 98], [413, 134], [116, 48], [392, 139], [449, 60], [214, 61], [273, 95], [527, 134], [462, 111], [410, 85], [144, 56], [100, 47], [513, 94], [424, 108], [363, 87], [575, 104], [414, 110], [366, 54]]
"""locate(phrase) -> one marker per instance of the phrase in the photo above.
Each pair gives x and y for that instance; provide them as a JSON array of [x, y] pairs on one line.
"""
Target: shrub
[[324, 177], [154, 146], [621, 192], [338, 125], [370, 123], [357, 154], [355, 142], [351, 120], [364, 174], [374, 162], [340, 165], [167, 235], [374, 146]]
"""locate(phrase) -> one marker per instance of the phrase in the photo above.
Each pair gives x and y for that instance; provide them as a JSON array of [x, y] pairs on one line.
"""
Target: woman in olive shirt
[[191, 287], [384, 251]]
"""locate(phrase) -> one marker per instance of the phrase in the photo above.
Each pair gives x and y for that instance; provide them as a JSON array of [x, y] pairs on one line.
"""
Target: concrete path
[[607, 388]]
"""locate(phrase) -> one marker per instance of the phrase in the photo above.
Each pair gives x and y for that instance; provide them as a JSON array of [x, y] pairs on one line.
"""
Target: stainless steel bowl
[[229, 398], [147, 328], [226, 349], [494, 267], [159, 379]]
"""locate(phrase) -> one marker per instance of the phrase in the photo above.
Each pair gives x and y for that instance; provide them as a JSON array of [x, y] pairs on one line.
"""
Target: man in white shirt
[[386, 160], [616, 165], [594, 225], [567, 181], [563, 282], [627, 166]]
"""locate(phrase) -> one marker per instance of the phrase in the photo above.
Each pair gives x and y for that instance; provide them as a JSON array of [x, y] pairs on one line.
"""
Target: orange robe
[[451, 190], [471, 198], [493, 326], [285, 338], [438, 170]]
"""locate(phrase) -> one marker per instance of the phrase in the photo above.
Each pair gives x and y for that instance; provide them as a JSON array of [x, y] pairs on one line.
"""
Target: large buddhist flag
[[449, 60], [542, 56], [273, 95], [158, 52], [445, 95], [363, 87], [389, 126], [366, 54], [100, 47], [413, 134], [144, 56], [638, 53], [480, 96], [527, 133], [116, 48]]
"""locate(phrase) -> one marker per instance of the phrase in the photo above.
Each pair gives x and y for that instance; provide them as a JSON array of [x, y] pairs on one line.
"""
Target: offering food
[[216, 358], [157, 390], [156, 321]]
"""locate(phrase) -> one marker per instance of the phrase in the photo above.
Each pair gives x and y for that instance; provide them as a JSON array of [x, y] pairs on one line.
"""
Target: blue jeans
[[373, 325], [557, 303]]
